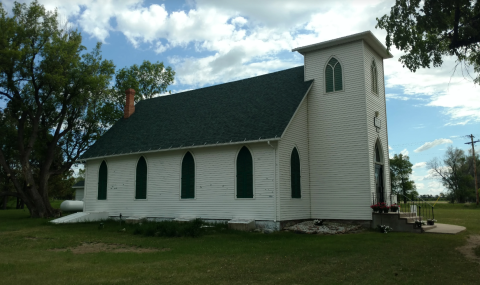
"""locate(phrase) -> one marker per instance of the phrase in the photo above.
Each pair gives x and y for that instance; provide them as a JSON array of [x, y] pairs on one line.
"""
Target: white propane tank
[[71, 206]]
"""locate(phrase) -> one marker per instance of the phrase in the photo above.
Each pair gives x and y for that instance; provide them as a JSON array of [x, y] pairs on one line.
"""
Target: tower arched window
[[102, 181], [244, 174], [295, 174], [333, 76], [378, 165], [141, 179], [188, 177], [374, 76]]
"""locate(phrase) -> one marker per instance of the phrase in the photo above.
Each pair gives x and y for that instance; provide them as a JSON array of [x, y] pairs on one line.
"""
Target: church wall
[[338, 137], [214, 187], [296, 135], [376, 102]]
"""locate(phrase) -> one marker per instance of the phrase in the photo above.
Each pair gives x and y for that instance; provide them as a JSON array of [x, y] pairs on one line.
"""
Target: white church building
[[308, 142]]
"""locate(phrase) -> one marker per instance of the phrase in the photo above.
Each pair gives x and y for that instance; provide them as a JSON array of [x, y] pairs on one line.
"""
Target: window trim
[[98, 180], [380, 150], [135, 181], [382, 163], [254, 196], [325, 75], [194, 177]]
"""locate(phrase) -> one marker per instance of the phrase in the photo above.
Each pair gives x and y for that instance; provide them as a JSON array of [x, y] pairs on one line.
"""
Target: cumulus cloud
[[429, 145], [250, 37], [419, 165], [404, 152]]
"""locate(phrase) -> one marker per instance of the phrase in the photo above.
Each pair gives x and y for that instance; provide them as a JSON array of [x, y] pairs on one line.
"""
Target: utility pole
[[474, 162]]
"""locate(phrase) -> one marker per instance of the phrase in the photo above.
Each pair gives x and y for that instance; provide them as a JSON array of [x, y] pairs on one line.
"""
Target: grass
[[221, 256]]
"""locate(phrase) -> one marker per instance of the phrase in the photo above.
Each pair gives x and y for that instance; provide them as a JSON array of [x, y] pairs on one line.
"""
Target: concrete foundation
[[241, 225], [398, 222]]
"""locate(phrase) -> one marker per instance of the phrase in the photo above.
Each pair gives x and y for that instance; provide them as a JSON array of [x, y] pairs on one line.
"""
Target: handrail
[[417, 197], [423, 211]]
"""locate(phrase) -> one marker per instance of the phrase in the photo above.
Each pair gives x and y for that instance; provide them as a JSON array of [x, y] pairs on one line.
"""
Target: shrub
[[169, 229]]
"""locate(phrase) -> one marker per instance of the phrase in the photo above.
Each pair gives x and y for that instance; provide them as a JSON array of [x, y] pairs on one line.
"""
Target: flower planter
[[393, 209], [430, 223]]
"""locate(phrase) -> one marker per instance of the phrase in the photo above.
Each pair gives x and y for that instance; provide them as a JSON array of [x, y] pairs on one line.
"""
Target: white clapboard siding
[[296, 135], [376, 102], [338, 141], [79, 194], [214, 185]]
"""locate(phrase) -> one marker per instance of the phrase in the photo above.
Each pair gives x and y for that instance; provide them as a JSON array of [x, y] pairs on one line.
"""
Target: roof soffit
[[366, 36]]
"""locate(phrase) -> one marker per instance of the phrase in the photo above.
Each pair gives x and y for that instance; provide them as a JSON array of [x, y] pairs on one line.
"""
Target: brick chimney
[[130, 103]]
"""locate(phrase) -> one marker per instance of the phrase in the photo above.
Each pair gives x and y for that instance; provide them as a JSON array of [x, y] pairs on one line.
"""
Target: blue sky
[[208, 42]]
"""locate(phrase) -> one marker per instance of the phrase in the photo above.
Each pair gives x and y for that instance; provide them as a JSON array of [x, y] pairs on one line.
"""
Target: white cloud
[[397, 97], [404, 152], [252, 36], [429, 145], [419, 165]]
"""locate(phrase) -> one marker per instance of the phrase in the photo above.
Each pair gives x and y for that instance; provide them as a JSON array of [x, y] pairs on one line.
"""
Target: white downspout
[[274, 178], [85, 187]]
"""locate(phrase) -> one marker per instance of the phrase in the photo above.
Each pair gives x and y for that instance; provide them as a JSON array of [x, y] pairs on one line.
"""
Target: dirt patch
[[93, 247], [469, 249], [36, 238]]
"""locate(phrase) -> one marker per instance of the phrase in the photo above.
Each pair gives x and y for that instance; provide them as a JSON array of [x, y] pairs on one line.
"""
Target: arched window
[[102, 181], [188, 177], [379, 170], [374, 78], [141, 179], [244, 174], [295, 174], [377, 154], [333, 76]]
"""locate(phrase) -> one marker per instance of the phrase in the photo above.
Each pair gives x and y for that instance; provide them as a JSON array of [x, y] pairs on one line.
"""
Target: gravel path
[[309, 227]]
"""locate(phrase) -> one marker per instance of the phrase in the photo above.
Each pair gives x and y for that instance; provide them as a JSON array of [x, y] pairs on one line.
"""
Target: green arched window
[[374, 77], [295, 174], [102, 181], [244, 174], [188, 177], [333, 76], [377, 153], [141, 179]]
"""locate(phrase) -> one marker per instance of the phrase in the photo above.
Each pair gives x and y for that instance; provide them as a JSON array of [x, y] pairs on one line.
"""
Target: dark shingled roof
[[249, 109]]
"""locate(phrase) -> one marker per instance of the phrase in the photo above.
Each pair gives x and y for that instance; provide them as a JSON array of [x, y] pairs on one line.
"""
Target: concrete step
[[407, 215], [426, 227], [413, 219]]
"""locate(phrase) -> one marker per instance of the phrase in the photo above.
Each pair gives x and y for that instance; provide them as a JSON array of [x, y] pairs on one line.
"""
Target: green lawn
[[228, 257]]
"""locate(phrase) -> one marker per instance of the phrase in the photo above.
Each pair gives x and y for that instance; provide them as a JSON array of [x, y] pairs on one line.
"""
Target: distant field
[[32, 251]]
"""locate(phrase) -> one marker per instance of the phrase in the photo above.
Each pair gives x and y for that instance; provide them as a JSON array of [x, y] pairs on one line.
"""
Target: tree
[[453, 172], [53, 93], [438, 28], [58, 98], [400, 170]]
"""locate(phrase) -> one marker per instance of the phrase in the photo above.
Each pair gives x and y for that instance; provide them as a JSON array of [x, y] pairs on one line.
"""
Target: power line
[[474, 162]]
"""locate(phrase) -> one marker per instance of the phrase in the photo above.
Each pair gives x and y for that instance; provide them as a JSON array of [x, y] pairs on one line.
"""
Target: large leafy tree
[[428, 30], [400, 171], [453, 171], [59, 101], [54, 93]]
